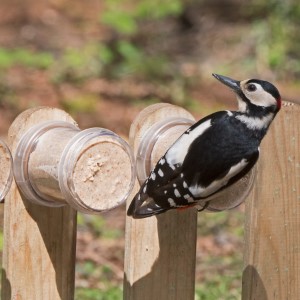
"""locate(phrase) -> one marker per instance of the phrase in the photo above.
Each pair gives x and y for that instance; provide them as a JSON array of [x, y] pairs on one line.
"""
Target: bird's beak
[[233, 84]]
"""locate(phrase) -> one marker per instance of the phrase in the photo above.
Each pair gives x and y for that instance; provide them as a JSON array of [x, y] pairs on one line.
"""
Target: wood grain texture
[[39, 242], [160, 251], [272, 226]]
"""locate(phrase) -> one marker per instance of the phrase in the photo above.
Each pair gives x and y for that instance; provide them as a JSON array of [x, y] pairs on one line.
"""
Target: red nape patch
[[279, 102]]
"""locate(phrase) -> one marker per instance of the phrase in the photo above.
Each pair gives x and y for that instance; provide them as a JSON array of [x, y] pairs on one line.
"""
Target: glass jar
[[57, 163]]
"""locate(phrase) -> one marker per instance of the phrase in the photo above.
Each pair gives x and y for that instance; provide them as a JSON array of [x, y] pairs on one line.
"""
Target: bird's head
[[253, 94]]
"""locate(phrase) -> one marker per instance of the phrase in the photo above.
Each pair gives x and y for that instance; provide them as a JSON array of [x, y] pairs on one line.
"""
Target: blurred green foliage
[[1, 241], [273, 32], [101, 278], [216, 222], [24, 57], [102, 275], [97, 226], [130, 58], [223, 281], [80, 104], [220, 287], [277, 35], [124, 16], [134, 62], [111, 293], [123, 59], [273, 27], [77, 64]]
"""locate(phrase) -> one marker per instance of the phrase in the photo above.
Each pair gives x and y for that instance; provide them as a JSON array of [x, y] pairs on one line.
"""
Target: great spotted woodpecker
[[212, 154]]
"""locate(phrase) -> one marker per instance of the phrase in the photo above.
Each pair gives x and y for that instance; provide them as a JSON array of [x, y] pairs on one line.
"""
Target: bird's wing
[[198, 164], [167, 171], [177, 193], [170, 165]]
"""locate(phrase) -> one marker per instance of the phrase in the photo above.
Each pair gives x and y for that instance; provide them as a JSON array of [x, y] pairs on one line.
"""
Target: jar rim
[[9, 175]]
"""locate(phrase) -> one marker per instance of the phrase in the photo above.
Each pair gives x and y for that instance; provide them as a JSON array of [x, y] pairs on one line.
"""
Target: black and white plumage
[[212, 154]]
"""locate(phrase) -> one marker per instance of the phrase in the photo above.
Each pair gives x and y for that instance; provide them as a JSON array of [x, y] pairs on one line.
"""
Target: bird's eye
[[251, 87]]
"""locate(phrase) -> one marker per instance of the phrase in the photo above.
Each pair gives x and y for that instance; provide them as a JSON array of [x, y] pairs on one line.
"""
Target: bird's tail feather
[[143, 206]]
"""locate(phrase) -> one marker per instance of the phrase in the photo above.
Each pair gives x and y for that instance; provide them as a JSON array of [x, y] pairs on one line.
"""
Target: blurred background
[[104, 61]]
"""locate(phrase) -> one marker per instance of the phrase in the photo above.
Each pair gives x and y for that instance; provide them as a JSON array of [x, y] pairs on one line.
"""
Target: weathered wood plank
[[272, 226], [160, 252], [39, 242]]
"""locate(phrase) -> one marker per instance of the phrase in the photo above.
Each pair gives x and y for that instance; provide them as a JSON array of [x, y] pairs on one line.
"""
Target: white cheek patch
[[177, 153], [262, 99], [259, 97]]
